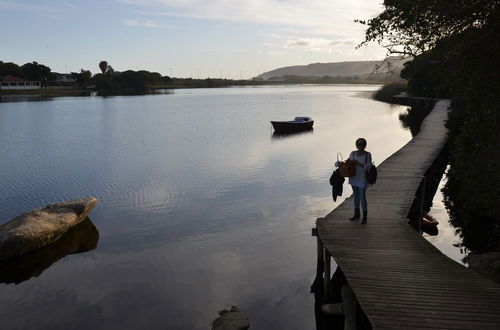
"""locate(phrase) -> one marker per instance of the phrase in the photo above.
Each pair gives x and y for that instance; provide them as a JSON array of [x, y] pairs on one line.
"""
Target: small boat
[[429, 224], [297, 125]]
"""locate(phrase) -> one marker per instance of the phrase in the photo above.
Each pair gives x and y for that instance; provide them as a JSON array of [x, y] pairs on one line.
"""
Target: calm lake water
[[200, 206]]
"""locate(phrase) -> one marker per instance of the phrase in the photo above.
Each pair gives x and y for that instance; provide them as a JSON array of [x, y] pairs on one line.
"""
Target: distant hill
[[337, 69]]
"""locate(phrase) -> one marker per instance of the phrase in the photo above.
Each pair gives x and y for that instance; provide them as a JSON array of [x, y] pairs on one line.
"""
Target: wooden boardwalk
[[400, 280]]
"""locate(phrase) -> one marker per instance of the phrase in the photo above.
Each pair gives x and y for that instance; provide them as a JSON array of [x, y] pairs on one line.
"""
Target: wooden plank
[[432, 311], [436, 305], [401, 322]]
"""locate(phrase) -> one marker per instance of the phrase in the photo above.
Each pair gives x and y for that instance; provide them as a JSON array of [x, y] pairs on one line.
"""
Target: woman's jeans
[[359, 196]]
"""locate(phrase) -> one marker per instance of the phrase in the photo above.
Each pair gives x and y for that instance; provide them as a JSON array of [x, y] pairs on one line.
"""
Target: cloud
[[147, 24], [71, 6], [297, 43], [322, 16], [320, 45]]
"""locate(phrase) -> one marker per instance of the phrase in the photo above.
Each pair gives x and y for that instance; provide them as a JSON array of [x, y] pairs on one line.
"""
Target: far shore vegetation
[[111, 82], [456, 57]]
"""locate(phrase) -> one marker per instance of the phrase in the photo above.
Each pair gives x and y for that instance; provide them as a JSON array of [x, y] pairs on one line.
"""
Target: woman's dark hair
[[361, 142]]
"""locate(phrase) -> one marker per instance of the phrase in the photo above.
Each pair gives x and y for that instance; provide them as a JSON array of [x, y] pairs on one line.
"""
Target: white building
[[62, 81], [11, 82]]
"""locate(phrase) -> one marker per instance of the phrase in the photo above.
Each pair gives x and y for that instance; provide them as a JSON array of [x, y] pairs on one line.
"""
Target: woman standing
[[358, 182]]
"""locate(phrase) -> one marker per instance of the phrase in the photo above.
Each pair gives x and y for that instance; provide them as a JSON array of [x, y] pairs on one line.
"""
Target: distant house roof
[[14, 79]]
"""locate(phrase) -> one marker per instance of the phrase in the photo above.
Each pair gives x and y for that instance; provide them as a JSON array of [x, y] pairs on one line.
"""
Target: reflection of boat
[[297, 125], [429, 224], [81, 238]]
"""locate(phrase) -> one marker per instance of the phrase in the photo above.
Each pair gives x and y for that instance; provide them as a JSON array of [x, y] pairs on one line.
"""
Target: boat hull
[[290, 127]]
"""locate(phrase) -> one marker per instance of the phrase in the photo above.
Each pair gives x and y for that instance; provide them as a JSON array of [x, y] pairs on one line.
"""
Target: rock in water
[[34, 229], [80, 238], [232, 319]]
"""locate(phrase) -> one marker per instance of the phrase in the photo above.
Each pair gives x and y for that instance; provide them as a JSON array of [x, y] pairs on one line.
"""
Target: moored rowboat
[[296, 125]]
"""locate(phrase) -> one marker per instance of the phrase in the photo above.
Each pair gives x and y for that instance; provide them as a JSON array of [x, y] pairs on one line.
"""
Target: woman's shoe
[[365, 217], [356, 215]]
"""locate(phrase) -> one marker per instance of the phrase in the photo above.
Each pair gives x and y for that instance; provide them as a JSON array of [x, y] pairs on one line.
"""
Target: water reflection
[[80, 238], [279, 136], [447, 241], [414, 116], [25, 98], [70, 93], [132, 93], [42, 96]]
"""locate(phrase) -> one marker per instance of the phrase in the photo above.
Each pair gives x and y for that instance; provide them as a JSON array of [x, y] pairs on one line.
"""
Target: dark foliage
[[35, 71], [135, 80], [412, 27], [103, 65], [30, 71], [83, 78], [9, 68]]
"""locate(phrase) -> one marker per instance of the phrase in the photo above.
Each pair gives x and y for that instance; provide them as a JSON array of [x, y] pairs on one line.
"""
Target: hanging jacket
[[336, 181]]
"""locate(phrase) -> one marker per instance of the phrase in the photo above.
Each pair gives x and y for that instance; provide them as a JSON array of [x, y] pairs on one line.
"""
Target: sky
[[185, 38]]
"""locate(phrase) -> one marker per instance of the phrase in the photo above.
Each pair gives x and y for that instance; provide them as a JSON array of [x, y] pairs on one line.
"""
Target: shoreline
[[154, 90]]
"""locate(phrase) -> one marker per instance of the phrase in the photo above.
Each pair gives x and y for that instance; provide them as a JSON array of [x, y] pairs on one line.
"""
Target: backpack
[[371, 174]]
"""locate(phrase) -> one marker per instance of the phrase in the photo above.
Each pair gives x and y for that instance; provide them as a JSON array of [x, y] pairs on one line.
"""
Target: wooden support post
[[326, 279], [349, 306], [321, 266], [317, 286]]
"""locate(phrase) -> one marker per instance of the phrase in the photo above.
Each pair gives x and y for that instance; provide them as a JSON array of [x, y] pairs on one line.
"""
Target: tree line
[[29, 71], [107, 80]]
